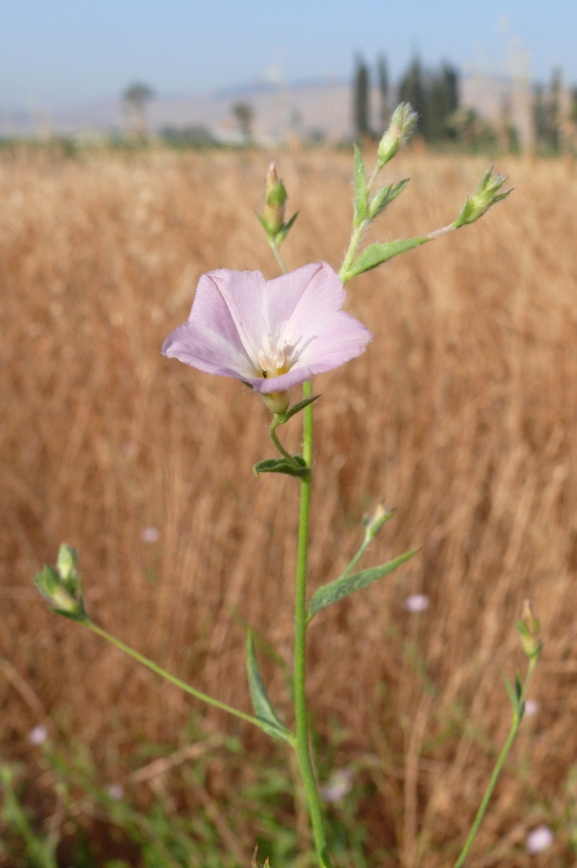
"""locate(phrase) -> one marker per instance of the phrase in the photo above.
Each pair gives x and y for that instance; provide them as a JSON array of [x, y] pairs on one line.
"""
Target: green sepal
[[383, 198], [284, 417], [267, 717], [485, 195], [361, 189], [378, 253], [284, 230], [278, 195], [345, 585], [282, 465], [515, 693]]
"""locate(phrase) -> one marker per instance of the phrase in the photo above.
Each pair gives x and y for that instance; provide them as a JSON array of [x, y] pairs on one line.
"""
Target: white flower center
[[273, 358]]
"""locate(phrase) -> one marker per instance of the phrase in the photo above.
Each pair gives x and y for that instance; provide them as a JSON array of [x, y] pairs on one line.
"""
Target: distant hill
[[319, 110]]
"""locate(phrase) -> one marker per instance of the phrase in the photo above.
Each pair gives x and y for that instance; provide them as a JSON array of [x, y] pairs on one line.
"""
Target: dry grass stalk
[[462, 414]]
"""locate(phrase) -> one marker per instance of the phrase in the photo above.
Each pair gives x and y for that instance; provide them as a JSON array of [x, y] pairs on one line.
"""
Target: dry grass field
[[462, 414]]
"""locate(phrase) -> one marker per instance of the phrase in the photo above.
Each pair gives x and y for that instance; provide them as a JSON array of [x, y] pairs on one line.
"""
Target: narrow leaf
[[361, 191], [282, 465], [284, 230], [376, 254], [383, 198], [298, 407], [345, 585], [264, 711], [512, 694]]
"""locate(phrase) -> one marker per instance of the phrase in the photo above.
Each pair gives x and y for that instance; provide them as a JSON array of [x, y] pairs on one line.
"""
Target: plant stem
[[517, 717], [301, 715], [273, 436], [278, 257], [172, 678], [356, 236]]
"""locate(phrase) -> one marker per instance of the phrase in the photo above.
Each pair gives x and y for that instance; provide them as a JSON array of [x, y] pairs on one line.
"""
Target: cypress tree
[[361, 99], [383, 79]]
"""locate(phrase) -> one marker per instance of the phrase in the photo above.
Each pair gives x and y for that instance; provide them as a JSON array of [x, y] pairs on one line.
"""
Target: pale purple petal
[[210, 340]]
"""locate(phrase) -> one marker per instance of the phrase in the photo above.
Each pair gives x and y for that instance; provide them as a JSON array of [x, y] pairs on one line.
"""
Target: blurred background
[[134, 143]]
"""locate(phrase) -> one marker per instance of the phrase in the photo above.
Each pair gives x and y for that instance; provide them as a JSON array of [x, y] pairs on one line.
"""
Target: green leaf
[[384, 197], [297, 408], [284, 230], [361, 190], [512, 694], [282, 465], [378, 253], [263, 709], [345, 585]]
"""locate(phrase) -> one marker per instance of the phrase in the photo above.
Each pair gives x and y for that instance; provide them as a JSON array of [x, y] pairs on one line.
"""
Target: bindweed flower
[[339, 785], [150, 534], [532, 707], [270, 334], [417, 603], [539, 839], [38, 735]]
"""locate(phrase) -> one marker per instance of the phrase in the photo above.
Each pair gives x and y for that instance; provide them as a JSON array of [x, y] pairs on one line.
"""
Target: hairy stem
[[301, 715]]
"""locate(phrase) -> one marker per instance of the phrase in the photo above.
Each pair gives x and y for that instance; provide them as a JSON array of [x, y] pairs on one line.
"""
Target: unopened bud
[[486, 194], [277, 402], [61, 586], [275, 197], [529, 631], [401, 128], [374, 522]]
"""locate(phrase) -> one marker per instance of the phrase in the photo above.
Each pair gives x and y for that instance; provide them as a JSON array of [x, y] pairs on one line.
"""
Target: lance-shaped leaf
[[383, 198], [297, 408], [268, 719], [378, 253], [346, 585], [282, 465], [361, 189]]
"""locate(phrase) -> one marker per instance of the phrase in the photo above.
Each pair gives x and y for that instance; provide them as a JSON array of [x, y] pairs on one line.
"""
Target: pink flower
[[270, 334], [539, 839]]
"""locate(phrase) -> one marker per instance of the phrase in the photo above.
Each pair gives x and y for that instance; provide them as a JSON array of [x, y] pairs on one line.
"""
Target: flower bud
[[529, 631], [277, 402], [275, 197], [401, 128], [374, 522], [61, 586], [486, 194]]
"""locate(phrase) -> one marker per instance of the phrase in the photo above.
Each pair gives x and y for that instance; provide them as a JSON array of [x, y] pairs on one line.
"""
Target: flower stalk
[[301, 713]]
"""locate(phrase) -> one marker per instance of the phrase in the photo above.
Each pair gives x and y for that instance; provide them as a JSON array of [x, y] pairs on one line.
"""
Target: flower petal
[[214, 340]]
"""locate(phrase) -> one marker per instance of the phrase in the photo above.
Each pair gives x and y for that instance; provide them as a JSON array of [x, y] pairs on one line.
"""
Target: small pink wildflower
[[38, 735], [417, 603], [539, 839], [270, 334], [150, 534]]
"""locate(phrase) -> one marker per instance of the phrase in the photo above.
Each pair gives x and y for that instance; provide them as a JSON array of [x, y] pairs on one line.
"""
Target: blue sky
[[59, 53]]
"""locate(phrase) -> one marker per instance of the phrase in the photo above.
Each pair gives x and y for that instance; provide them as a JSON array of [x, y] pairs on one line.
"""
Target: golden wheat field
[[462, 414]]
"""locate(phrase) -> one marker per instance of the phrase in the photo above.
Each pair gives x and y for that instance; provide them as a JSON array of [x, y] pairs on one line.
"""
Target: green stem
[[273, 436], [278, 257], [301, 715], [172, 678], [517, 717], [356, 236]]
